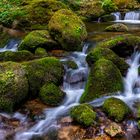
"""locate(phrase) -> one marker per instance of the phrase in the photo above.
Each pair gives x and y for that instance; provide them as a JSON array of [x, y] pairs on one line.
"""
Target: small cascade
[[132, 17], [73, 95], [117, 15], [12, 45]]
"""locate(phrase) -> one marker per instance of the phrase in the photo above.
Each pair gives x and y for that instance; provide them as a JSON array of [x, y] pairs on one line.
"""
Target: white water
[[11, 46], [132, 17], [73, 95], [131, 92]]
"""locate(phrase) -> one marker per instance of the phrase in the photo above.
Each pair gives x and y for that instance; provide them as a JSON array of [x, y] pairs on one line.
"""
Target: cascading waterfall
[[12, 45], [73, 94], [129, 17]]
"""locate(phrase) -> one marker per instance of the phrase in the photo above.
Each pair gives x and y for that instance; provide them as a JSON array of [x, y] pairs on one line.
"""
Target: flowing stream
[[73, 94]]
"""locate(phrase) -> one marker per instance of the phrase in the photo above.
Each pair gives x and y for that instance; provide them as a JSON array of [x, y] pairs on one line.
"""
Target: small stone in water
[[114, 129]]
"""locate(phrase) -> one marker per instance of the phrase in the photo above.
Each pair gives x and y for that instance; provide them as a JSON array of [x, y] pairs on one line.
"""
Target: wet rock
[[108, 54], [104, 79], [118, 27], [113, 129], [83, 114], [69, 32], [101, 137], [123, 45], [36, 39], [71, 133], [116, 108]]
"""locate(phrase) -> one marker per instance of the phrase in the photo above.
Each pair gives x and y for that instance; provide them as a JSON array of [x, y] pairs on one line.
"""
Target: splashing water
[[73, 95]]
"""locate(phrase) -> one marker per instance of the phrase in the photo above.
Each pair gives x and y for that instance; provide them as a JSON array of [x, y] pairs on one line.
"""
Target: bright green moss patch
[[68, 29], [108, 54], [83, 114], [52, 95], [122, 45], [41, 52], [104, 79], [35, 39], [116, 109], [41, 71]]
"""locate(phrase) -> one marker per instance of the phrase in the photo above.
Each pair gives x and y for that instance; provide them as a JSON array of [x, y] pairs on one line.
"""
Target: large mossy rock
[[13, 85], [116, 108], [108, 54], [16, 56], [104, 79], [123, 45], [68, 29], [41, 11], [35, 39], [51, 95], [41, 71], [88, 10], [118, 27], [83, 114]]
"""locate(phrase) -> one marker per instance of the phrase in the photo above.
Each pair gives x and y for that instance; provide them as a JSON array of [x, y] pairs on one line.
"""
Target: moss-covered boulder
[[87, 10], [122, 45], [108, 54], [51, 95], [107, 18], [13, 85], [41, 11], [116, 108], [104, 79], [83, 114], [41, 71], [16, 56], [68, 29], [41, 52], [118, 27], [35, 39]]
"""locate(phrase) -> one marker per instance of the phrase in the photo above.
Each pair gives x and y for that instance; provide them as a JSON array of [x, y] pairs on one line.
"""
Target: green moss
[[52, 95], [116, 108], [122, 45], [104, 79], [35, 39], [108, 54], [41, 71], [68, 29], [41, 11], [118, 27], [16, 56], [41, 52], [83, 114], [13, 84]]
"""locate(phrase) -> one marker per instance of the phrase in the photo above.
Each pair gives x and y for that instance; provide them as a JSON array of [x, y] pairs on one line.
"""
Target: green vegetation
[[41, 71], [68, 29], [37, 38], [104, 79], [70, 64], [108, 54], [16, 56], [83, 114], [52, 95], [116, 109]]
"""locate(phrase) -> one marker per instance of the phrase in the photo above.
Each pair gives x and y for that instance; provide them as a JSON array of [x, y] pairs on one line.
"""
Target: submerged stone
[[104, 79], [118, 27]]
